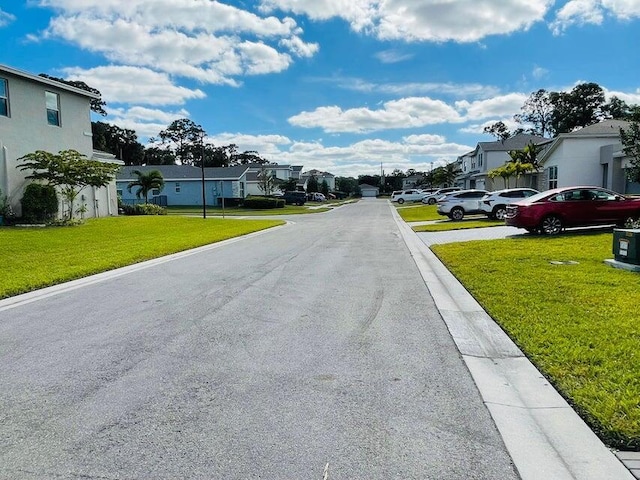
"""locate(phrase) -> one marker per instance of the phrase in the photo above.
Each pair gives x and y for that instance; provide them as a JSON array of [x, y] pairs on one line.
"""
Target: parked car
[[316, 197], [411, 195], [551, 211], [494, 204], [433, 197], [456, 205], [296, 198]]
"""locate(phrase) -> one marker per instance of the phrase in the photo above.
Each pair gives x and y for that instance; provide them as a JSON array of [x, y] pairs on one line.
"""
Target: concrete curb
[[542, 433]]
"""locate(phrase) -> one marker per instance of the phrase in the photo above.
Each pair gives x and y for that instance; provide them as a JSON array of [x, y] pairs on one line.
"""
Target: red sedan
[[551, 211]]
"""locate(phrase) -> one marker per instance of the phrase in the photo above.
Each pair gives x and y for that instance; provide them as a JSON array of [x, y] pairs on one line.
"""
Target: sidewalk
[[544, 436]]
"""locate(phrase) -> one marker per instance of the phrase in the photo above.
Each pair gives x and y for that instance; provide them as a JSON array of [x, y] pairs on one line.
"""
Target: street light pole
[[204, 195]]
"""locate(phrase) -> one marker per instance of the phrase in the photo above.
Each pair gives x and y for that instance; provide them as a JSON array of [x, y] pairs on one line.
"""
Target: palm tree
[[146, 182]]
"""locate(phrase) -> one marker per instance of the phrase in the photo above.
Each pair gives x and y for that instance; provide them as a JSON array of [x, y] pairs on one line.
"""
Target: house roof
[[517, 142], [46, 81], [317, 173], [366, 186], [184, 172], [604, 129]]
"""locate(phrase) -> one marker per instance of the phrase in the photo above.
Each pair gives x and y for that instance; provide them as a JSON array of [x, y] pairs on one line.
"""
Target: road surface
[[307, 352]]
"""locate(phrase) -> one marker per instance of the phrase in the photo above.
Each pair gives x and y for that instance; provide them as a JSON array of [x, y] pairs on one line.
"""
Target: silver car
[[458, 204]]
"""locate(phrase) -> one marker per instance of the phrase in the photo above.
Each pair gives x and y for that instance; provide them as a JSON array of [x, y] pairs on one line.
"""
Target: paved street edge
[[544, 436]]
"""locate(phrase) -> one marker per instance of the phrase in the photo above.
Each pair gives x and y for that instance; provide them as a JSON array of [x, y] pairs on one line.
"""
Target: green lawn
[[578, 323], [461, 225], [419, 213], [33, 258]]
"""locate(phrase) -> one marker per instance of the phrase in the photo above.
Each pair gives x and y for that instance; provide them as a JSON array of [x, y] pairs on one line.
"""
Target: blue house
[[183, 185]]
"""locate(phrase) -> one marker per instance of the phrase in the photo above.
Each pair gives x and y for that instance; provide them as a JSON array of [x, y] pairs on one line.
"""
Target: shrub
[[143, 209], [263, 202], [39, 203]]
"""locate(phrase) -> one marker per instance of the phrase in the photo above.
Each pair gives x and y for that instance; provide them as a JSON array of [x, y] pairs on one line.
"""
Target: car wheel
[[457, 214], [500, 212], [626, 222], [401, 201], [431, 201], [551, 225]]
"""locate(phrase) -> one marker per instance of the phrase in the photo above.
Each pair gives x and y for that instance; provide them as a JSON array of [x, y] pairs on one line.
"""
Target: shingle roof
[[605, 127], [183, 172], [517, 142]]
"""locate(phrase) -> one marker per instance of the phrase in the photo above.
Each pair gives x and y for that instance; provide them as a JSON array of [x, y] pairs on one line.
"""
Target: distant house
[[476, 164], [183, 185], [320, 176], [589, 156], [369, 190], [412, 181], [282, 173], [41, 114]]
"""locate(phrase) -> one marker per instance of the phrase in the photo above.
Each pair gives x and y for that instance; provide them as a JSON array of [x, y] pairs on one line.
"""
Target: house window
[[480, 160], [553, 177], [177, 187], [53, 108], [4, 98], [155, 192]]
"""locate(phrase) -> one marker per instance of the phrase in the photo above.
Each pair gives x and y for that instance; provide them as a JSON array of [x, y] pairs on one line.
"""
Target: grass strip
[[578, 323], [420, 213], [462, 225], [247, 212], [33, 258]]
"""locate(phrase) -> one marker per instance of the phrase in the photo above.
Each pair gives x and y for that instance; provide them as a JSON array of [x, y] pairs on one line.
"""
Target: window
[[53, 108], [480, 159], [155, 192], [177, 187], [4, 98], [553, 177]]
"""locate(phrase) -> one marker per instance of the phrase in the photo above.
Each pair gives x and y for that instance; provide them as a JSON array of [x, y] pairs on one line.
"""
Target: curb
[[544, 436]]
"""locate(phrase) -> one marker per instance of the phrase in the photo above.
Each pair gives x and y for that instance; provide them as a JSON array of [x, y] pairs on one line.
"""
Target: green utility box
[[626, 245]]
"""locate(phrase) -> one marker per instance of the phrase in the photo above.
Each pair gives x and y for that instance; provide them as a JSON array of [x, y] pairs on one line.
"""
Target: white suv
[[412, 195], [433, 197], [458, 204], [494, 204]]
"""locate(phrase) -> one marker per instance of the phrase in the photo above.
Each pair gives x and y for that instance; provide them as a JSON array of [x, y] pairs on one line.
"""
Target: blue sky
[[338, 85]]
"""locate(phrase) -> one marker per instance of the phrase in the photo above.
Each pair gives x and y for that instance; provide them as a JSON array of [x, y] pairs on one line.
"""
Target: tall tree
[[528, 155], [159, 156], [346, 184], [185, 138], [498, 130], [630, 138], [579, 108], [151, 180], [312, 184], [266, 181], [68, 170], [537, 111], [121, 142], [97, 104]]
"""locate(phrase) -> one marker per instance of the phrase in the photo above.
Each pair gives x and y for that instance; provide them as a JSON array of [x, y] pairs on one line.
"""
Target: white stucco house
[[589, 156], [476, 164], [41, 114], [281, 172]]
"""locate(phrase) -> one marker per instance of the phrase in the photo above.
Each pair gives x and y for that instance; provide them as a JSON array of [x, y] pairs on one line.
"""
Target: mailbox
[[626, 245]]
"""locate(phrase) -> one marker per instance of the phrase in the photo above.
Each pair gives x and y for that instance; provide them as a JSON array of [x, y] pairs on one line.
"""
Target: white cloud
[[201, 39], [404, 113], [423, 20], [632, 98], [6, 18], [420, 152], [539, 73], [581, 12], [119, 84], [393, 56], [498, 106]]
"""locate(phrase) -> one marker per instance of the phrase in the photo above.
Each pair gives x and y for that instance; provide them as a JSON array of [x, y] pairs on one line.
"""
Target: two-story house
[[41, 114], [320, 177], [476, 164], [282, 173]]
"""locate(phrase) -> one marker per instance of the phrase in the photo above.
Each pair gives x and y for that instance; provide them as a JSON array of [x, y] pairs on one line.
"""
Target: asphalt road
[[312, 351]]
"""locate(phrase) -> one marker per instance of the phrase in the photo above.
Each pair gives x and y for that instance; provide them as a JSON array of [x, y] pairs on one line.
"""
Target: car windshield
[[536, 197]]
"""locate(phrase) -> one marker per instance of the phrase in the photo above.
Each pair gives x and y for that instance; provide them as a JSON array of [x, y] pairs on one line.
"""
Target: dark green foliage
[[123, 143], [324, 188], [312, 184], [143, 209], [631, 141], [263, 202], [39, 203]]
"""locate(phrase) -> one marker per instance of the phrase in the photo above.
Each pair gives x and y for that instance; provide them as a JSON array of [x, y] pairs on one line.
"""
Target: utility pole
[[204, 195]]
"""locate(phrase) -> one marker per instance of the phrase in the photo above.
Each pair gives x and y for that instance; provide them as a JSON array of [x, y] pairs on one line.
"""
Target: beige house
[[41, 114]]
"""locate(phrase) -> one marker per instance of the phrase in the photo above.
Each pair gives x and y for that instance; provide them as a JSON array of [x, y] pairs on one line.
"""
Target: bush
[[143, 209], [263, 202], [39, 203]]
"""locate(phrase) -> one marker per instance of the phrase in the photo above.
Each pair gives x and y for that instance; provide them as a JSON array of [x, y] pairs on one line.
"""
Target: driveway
[[311, 351]]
